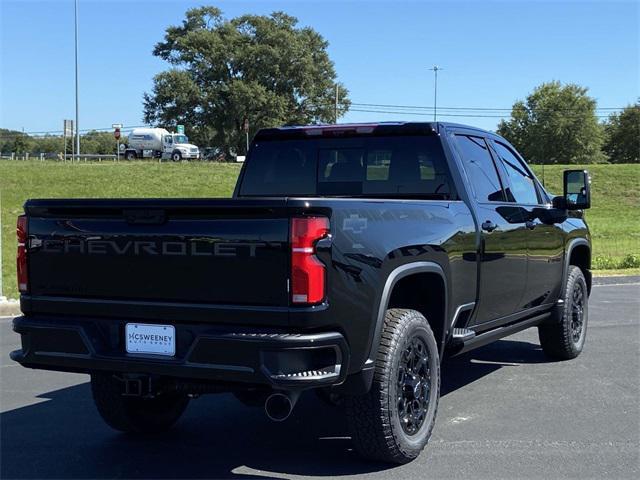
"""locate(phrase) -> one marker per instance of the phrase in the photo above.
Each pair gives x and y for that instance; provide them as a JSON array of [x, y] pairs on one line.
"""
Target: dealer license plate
[[154, 339]]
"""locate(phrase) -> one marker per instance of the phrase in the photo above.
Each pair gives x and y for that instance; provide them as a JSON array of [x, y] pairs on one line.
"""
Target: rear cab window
[[394, 166]]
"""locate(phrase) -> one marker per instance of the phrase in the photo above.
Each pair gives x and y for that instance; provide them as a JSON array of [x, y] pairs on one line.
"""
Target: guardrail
[[60, 157], [99, 157]]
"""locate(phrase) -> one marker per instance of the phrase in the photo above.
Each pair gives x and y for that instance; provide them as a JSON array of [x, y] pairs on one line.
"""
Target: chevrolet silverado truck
[[352, 259]]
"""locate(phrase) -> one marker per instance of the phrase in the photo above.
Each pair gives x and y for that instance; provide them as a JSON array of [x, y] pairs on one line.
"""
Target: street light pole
[[77, 109], [335, 111], [435, 69]]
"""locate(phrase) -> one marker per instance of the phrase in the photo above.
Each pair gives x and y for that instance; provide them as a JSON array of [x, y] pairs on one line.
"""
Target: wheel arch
[[578, 254], [400, 291]]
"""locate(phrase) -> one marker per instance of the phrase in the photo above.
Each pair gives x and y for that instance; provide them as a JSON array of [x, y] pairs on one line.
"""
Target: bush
[[603, 263], [630, 261], [609, 263]]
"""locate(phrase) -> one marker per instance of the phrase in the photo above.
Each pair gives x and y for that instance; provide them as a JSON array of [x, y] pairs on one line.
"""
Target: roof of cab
[[356, 129]]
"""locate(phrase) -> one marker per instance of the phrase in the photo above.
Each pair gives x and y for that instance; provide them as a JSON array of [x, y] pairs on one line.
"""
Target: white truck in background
[[159, 143]]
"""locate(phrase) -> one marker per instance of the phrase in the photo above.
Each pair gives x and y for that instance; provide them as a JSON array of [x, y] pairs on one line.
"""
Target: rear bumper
[[220, 354]]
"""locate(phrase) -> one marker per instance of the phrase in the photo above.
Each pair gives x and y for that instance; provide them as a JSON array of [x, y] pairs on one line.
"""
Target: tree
[[21, 144], [48, 144], [100, 143], [622, 135], [12, 139], [262, 69], [556, 124]]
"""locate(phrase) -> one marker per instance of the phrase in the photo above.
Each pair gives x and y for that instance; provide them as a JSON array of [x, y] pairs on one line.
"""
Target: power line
[[396, 109], [84, 130], [423, 107], [424, 113], [474, 115]]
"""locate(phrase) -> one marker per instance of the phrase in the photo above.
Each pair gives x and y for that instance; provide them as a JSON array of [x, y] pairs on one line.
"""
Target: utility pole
[[77, 122], [335, 112], [245, 127], [0, 243], [73, 143], [435, 69]]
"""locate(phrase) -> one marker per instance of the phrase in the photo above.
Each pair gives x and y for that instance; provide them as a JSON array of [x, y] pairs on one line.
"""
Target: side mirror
[[577, 189]]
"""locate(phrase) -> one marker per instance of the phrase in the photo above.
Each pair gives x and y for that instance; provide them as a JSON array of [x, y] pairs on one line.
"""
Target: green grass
[[614, 218], [21, 180]]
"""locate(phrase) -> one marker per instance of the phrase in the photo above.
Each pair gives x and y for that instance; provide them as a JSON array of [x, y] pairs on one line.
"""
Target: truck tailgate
[[197, 251]]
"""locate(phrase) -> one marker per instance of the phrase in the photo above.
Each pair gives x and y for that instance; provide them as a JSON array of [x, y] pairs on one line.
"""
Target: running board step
[[462, 335]]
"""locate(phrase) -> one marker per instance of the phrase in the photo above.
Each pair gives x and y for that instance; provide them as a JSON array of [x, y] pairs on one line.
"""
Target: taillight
[[307, 272], [21, 259]]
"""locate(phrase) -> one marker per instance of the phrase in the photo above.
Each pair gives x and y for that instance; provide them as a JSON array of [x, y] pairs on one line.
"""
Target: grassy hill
[[614, 218]]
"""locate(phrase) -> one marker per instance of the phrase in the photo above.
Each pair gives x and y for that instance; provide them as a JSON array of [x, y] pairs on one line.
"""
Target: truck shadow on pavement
[[63, 437]]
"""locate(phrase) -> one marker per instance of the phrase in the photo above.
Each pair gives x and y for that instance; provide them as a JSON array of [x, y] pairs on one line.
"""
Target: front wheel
[[563, 336], [135, 414], [394, 420], [176, 156]]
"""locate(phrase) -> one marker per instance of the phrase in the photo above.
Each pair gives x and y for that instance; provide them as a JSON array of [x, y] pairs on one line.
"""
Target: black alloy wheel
[[577, 311], [414, 385]]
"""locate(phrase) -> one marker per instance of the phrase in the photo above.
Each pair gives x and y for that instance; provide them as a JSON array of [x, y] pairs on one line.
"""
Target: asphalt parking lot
[[506, 412]]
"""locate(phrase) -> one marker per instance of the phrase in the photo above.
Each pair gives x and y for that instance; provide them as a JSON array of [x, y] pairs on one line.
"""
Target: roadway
[[506, 412]]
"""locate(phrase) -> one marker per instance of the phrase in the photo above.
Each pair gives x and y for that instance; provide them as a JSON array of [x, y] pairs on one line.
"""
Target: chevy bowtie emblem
[[354, 223]]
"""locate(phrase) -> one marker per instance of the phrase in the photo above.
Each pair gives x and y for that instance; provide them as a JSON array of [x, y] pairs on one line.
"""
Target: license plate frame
[[150, 339]]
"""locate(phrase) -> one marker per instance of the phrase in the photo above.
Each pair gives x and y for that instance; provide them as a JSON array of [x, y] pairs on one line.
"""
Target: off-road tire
[[373, 418], [558, 335], [135, 414]]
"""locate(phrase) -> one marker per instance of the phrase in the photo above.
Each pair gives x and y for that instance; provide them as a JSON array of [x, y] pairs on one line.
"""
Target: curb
[[617, 280], [9, 308]]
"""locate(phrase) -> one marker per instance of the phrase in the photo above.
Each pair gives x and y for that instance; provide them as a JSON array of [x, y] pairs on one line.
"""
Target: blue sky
[[492, 53]]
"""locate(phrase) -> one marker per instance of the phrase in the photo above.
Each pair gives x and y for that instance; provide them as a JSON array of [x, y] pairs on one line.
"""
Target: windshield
[[180, 139], [398, 166]]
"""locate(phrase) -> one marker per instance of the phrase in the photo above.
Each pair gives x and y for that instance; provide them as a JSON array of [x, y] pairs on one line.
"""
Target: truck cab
[[176, 147]]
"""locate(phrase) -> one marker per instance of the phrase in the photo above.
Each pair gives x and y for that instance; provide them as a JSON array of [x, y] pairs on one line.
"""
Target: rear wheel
[[394, 421], [130, 155], [135, 414], [563, 336]]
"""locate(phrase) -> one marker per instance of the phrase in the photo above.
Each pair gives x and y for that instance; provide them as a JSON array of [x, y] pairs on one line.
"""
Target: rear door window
[[521, 188], [480, 168]]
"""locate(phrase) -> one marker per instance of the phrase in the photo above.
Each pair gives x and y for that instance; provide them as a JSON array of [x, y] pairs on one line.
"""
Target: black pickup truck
[[352, 259]]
